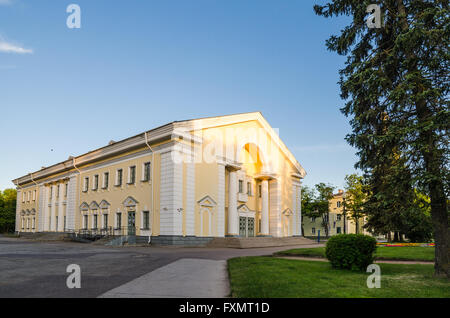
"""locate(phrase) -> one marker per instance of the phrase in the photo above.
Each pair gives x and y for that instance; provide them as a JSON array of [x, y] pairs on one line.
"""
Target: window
[[106, 180], [23, 223], [260, 190], [95, 185], [241, 186], [49, 223], [51, 192], [94, 226], [118, 220], [338, 204], [146, 220], [105, 221], [119, 176], [132, 175], [66, 190], [313, 219], [249, 188], [338, 230], [34, 222], [146, 176], [23, 196], [313, 230], [86, 184], [28, 196], [85, 219], [338, 217], [64, 223], [57, 191], [34, 195], [56, 224]]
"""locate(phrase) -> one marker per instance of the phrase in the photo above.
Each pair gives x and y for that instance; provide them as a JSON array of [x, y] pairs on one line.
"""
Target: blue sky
[[137, 64]]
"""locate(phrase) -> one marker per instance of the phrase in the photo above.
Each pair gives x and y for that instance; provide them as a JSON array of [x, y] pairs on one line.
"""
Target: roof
[[153, 135]]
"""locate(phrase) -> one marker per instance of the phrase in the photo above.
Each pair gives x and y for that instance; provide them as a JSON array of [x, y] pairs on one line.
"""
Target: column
[[232, 205], [264, 208], [221, 201]]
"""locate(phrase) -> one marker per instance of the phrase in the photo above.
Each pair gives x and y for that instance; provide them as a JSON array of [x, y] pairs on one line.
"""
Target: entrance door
[[131, 223], [250, 227], [242, 226], [246, 226]]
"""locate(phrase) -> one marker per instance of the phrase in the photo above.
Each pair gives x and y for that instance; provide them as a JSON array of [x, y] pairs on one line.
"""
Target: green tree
[[8, 210], [322, 204], [315, 203], [355, 198], [400, 70]]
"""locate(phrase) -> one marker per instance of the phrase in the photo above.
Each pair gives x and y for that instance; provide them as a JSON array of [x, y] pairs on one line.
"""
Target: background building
[[340, 220]]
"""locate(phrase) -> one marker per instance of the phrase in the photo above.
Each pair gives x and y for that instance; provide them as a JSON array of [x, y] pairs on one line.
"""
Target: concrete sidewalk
[[185, 278]]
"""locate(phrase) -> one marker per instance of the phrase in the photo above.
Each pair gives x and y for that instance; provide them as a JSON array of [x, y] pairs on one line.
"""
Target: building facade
[[212, 177]]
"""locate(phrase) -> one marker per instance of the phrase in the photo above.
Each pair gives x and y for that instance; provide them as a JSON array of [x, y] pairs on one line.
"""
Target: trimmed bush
[[351, 251]]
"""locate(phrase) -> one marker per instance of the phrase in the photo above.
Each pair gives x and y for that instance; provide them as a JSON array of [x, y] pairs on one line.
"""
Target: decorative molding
[[104, 204], [130, 202], [84, 207], [207, 201]]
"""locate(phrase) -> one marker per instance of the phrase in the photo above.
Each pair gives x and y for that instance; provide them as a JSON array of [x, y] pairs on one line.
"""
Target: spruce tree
[[400, 72]]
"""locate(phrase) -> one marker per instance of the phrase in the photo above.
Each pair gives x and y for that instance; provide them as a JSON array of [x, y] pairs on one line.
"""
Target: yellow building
[[184, 181], [338, 222]]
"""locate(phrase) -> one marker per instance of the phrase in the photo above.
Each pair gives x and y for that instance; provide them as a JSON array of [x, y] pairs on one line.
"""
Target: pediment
[[104, 204], [243, 208], [84, 206], [288, 212], [94, 205], [207, 201], [130, 202]]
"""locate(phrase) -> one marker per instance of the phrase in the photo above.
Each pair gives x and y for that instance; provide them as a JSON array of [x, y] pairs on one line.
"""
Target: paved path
[[38, 269], [381, 261], [185, 278]]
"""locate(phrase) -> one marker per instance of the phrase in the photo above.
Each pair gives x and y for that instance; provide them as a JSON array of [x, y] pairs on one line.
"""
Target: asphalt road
[[38, 269]]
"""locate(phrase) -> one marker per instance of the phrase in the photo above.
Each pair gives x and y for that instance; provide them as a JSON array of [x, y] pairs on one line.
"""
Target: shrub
[[351, 251]]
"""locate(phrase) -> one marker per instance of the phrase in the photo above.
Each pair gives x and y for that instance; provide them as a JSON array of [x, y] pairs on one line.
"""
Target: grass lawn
[[416, 253], [255, 277]]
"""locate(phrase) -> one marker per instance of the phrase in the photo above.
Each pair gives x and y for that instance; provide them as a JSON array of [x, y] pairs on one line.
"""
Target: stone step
[[254, 242]]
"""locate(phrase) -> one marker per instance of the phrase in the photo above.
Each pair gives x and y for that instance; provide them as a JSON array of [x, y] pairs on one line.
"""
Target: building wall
[[190, 198]]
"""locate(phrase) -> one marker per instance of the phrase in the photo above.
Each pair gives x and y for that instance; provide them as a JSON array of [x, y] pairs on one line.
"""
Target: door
[[250, 227], [246, 226], [242, 226], [131, 223]]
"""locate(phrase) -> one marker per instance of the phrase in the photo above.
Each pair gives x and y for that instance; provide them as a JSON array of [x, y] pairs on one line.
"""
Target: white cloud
[[6, 47]]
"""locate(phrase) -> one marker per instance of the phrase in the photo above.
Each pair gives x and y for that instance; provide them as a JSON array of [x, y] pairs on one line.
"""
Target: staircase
[[254, 242]]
